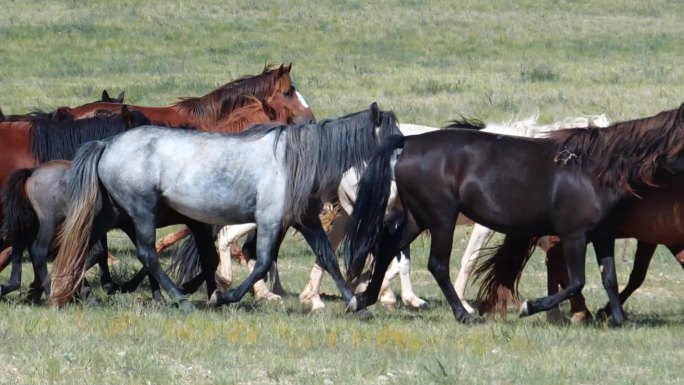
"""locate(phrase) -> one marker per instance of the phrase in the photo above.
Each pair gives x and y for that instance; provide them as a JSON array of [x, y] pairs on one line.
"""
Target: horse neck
[[240, 121]]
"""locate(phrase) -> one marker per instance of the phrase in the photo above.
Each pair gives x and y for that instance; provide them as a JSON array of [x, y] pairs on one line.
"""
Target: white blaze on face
[[301, 99]]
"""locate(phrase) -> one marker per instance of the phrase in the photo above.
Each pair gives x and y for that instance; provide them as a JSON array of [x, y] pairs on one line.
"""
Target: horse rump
[[19, 220]]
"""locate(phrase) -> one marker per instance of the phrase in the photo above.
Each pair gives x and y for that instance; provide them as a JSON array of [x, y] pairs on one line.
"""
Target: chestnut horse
[[205, 112], [570, 186]]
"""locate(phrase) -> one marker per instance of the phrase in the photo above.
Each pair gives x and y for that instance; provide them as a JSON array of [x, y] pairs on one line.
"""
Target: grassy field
[[430, 61]]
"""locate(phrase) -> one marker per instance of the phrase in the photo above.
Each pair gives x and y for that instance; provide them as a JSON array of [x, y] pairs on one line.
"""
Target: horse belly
[[655, 221], [507, 206]]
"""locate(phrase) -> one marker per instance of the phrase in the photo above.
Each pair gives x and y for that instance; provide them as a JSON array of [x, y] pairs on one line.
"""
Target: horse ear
[[105, 96], [126, 116], [375, 113], [279, 72], [2, 116], [288, 68], [120, 98]]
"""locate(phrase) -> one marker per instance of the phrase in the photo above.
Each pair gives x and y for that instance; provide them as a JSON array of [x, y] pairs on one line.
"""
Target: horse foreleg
[[226, 237], [398, 232], [642, 259], [312, 291], [266, 244], [478, 240], [605, 256], [170, 239]]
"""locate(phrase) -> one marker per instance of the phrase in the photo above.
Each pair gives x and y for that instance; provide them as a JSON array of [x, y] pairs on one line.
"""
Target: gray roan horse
[[274, 175]]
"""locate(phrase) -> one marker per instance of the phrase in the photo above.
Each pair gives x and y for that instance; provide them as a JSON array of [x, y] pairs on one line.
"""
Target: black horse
[[568, 184]]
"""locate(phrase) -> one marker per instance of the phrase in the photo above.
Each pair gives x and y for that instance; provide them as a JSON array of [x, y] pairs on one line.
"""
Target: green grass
[[430, 61]]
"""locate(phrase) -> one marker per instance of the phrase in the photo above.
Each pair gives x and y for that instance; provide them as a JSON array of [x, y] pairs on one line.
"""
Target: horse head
[[299, 111]]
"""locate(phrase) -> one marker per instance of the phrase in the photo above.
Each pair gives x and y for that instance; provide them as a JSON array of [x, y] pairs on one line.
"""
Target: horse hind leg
[[479, 238], [209, 259], [15, 276], [259, 289], [408, 296], [145, 233], [311, 292]]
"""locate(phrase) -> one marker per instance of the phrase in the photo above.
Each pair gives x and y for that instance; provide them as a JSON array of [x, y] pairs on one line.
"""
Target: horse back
[[493, 179]]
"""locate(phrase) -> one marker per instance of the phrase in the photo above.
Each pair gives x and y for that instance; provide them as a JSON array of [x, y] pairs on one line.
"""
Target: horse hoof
[[469, 319], [111, 288], [417, 304], [214, 299], [222, 283], [524, 310], [187, 307], [363, 314], [353, 304], [602, 314], [270, 297]]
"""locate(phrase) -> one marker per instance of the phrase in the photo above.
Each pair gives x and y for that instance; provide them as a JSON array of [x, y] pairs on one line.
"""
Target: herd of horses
[[251, 156]]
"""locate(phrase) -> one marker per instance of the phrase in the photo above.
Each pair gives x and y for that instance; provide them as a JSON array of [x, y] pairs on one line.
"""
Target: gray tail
[[83, 186]]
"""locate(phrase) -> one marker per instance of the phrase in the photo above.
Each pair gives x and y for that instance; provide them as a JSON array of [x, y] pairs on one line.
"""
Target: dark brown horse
[[203, 113], [569, 185]]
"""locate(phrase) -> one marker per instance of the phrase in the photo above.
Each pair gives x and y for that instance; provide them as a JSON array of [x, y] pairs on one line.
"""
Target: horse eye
[[290, 92]]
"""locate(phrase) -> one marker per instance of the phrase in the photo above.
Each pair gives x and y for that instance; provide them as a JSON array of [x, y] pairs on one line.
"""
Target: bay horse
[[654, 218], [204, 112], [27, 144], [571, 183], [61, 113], [35, 202], [142, 177]]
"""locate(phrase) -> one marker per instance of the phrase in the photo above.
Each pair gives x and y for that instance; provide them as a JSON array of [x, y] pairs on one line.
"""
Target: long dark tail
[[500, 274], [83, 186], [369, 209], [186, 259], [19, 220]]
